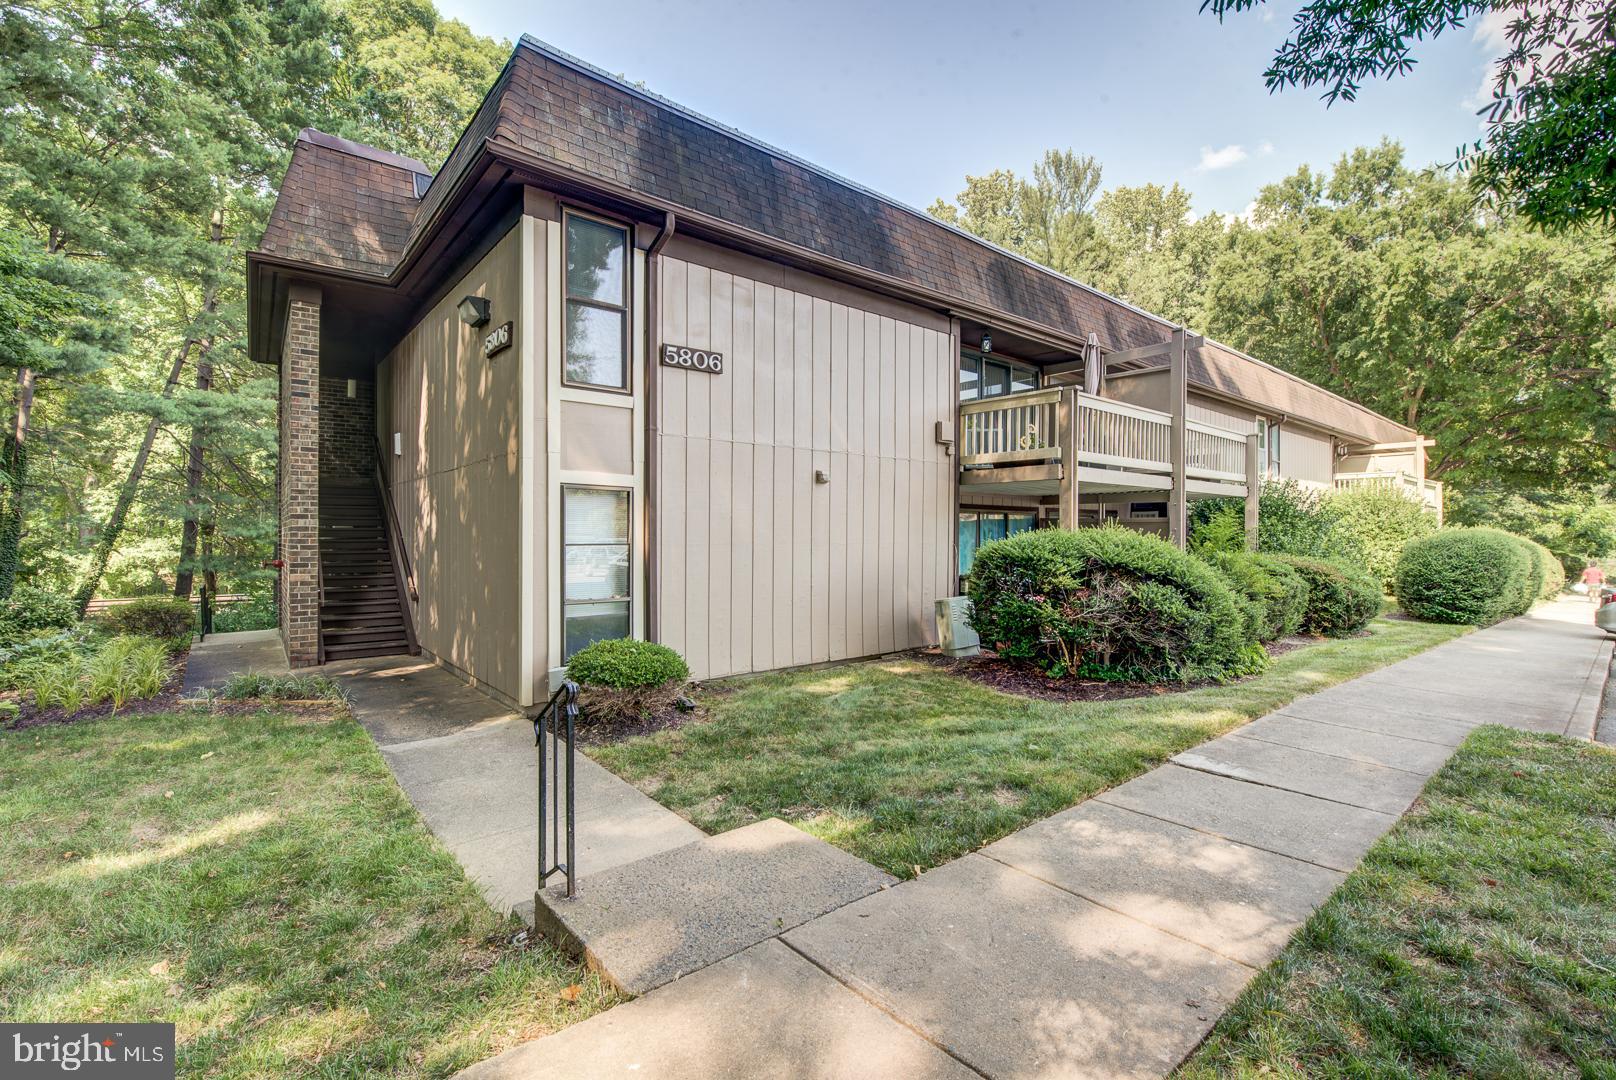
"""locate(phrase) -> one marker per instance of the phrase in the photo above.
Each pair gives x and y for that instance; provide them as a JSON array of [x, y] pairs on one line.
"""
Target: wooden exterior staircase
[[364, 595]]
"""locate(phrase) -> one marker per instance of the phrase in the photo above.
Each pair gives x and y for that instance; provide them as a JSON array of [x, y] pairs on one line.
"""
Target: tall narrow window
[[596, 344], [594, 566]]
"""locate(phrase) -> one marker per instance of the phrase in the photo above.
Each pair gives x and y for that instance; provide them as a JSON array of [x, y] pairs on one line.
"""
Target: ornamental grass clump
[[1341, 596], [1109, 603], [119, 671], [622, 679], [1476, 576]]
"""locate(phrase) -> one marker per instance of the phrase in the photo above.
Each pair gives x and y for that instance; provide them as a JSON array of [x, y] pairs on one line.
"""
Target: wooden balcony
[[1019, 444]]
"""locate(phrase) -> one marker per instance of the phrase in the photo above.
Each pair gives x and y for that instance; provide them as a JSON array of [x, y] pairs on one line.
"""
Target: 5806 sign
[[681, 356]]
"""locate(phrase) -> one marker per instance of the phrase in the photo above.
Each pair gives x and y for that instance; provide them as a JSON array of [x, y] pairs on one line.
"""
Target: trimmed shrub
[[1554, 577], [1341, 597], [623, 679], [1277, 592], [621, 663], [1463, 575], [1108, 603], [31, 612], [1380, 522], [152, 616]]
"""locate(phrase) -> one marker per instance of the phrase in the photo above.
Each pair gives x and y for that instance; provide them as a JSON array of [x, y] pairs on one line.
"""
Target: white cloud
[[1212, 160], [1492, 30], [1265, 149]]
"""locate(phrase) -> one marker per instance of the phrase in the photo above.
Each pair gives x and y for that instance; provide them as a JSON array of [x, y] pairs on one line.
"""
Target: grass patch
[[1478, 938], [904, 765], [259, 880]]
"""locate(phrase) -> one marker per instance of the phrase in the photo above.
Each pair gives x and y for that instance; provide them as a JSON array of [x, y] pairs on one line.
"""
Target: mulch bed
[[667, 718], [168, 701], [1025, 680]]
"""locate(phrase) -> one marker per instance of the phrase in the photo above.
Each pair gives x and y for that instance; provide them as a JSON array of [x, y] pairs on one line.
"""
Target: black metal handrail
[[555, 724]]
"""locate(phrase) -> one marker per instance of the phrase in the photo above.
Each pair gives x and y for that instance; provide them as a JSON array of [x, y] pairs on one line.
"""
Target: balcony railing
[[1024, 428], [1428, 492]]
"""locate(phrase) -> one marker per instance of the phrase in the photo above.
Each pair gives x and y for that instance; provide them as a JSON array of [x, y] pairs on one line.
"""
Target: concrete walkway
[[213, 661], [468, 764], [1107, 940]]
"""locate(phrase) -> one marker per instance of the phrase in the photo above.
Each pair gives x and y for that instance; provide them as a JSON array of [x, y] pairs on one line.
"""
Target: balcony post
[[1068, 421], [1253, 489], [1178, 401]]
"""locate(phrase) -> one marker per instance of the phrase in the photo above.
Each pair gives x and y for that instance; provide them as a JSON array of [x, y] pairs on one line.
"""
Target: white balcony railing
[[1022, 428], [1427, 492]]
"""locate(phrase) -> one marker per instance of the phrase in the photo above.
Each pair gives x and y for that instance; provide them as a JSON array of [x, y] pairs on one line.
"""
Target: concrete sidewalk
[[468, 764], [213, 661], [1107, 940]]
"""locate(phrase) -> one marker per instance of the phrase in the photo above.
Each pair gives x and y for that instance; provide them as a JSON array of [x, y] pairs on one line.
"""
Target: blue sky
[[908, 98]]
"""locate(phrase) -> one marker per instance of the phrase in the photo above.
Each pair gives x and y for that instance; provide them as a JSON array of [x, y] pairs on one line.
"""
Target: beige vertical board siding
[[1148, 389], [1221, 414], [774, 570], [1306, 455], [456, 484]]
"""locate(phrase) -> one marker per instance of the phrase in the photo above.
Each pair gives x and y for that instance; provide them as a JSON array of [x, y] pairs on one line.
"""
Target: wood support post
[[1068, 421], [1178, 406], [1253, 488]]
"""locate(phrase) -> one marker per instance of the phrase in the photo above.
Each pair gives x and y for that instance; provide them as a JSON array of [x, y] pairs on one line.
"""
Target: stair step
[[362, 636], [358, 652], [755, 882]]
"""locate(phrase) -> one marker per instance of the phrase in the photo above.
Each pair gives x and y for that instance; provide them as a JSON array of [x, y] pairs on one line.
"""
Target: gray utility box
[[954, 631]]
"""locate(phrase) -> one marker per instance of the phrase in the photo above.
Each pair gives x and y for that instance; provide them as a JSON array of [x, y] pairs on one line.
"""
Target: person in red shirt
[[1594, 578]]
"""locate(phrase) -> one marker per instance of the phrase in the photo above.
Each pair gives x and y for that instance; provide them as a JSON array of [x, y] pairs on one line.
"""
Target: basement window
[[976, 529], [595, 593]]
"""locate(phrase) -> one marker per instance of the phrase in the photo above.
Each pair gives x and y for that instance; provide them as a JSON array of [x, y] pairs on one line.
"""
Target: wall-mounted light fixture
[[987, 342], [473, 310]]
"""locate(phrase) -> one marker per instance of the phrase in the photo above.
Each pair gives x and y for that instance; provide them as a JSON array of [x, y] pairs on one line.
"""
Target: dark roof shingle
[[344, 206]]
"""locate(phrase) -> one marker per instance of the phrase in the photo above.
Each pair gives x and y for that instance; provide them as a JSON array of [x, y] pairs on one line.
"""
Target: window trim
[[627, 308], [564, 603]]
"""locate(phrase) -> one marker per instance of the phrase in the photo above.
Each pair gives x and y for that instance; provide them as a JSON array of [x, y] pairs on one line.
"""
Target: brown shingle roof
[[1225, 371], [351, 207], [559, 109], [343, 206]]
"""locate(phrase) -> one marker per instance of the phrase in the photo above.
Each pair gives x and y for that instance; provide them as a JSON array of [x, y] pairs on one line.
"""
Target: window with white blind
[[596, 586]]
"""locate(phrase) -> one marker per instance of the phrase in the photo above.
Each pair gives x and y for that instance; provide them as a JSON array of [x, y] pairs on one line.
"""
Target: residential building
[[617, 369]]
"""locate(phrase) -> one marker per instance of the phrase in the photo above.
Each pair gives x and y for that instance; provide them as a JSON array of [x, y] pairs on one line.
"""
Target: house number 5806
[[680, 356]]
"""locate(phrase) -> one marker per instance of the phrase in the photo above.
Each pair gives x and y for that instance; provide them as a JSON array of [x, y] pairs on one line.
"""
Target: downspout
[[653, 385]]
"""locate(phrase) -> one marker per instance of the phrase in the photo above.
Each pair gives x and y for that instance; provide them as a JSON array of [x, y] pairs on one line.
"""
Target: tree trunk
[[185, 576], [112, 531], [14, 464]]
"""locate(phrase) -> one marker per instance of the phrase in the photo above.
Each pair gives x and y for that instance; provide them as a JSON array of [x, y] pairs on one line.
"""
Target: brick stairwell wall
[[347, 430], [300, 479]]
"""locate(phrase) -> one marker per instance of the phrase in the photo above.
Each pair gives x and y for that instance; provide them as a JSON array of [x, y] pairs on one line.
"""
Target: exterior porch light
[[987, 342], [473, 310]]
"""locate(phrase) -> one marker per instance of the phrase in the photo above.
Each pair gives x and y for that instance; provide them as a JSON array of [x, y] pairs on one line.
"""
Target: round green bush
[[30, 612], [1475, 576], [1554, 577], [1277, 591], [1108, 603], [1381, 521], [1341, 596], [151, 616], [624, 663]]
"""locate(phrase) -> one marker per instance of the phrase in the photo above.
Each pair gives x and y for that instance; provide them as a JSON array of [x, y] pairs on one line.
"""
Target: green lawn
[[906, 766], [260, 881], [1478, 938]]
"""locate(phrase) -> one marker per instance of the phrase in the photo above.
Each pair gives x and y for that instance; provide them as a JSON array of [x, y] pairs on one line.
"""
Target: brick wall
[[347, 430], [300, 479]]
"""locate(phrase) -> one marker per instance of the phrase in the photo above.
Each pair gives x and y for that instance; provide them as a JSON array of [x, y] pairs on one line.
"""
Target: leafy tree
[[1576, 529], [1548, 148], [1049, 219], [1384, 285]]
